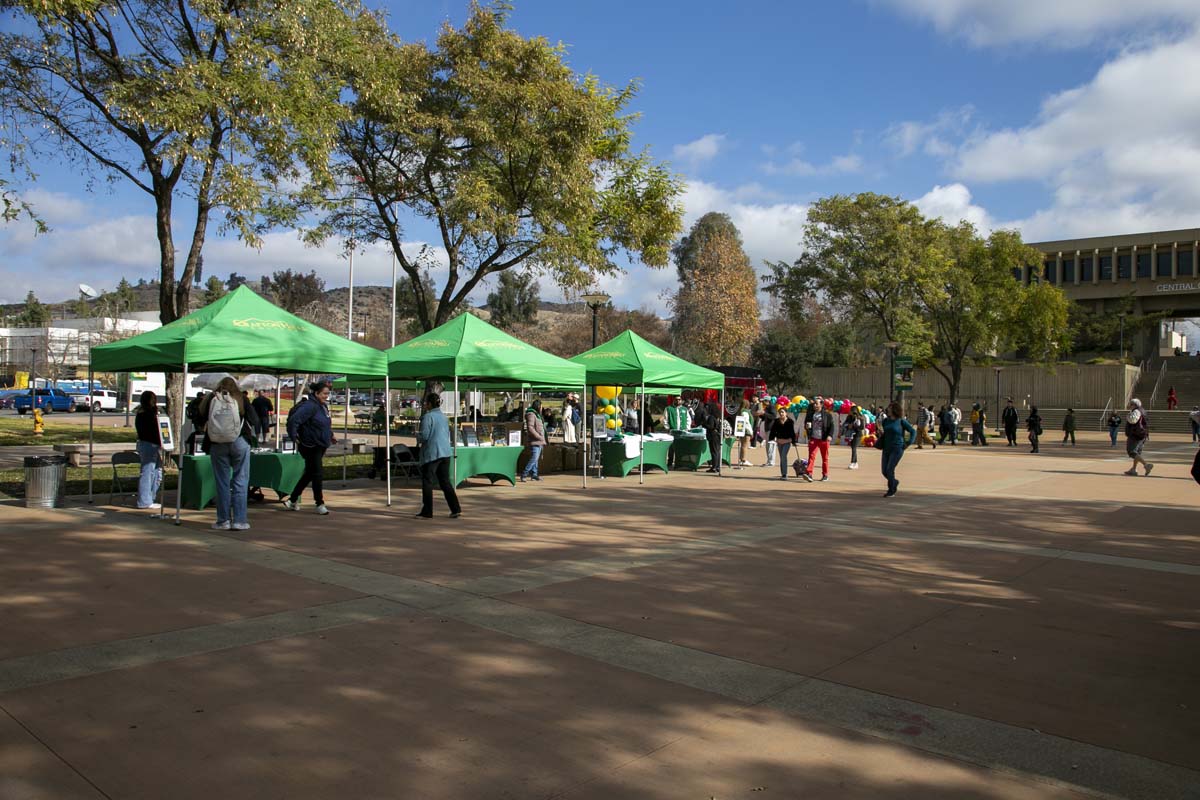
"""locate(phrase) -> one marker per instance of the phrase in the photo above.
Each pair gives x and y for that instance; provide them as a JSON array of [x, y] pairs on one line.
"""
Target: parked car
[[7, 396], [99, 400], [47, 400]]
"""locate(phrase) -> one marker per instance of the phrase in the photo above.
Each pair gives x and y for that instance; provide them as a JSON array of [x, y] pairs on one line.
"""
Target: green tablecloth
[[692, 453], [493, 463], [278, 471], [616, 465]]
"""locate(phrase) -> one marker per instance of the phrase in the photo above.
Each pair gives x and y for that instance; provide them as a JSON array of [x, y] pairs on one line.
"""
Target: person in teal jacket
[[434, 437], [898, 434]]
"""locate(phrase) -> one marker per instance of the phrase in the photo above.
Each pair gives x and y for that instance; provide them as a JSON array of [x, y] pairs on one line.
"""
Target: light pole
[[996, 408], [594, 302], [891, 346], [1122, 317]]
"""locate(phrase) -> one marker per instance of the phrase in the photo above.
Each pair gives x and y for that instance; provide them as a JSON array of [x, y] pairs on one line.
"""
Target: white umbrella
[[258, 381], [209, 380]]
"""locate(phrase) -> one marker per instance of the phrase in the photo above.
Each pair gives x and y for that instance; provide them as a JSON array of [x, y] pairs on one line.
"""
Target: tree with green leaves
[[34, 314], [981, 309], [292, 291], [218, 105], [517, 161], [872, 258], [214, 290], [12, 208], [716, 305], [515, 300]]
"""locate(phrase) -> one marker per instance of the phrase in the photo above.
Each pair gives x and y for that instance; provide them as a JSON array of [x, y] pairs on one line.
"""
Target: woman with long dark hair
[[434, 437], [311, 428], [898, 435], [149, 450]]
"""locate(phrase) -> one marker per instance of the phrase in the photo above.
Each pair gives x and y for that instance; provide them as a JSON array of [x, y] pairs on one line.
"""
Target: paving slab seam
[[54, 753]]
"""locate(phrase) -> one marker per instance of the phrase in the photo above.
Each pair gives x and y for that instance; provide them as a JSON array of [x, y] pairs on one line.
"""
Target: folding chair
[[123, 457], [404, 461]]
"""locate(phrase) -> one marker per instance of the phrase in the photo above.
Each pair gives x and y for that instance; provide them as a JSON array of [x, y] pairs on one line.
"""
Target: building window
[[1068, 270], [1086, 270], [1106, 268], [1124, 264], [1143, 265], [1186, 266], [1016, 271], [1164, 264], [1049, 271]]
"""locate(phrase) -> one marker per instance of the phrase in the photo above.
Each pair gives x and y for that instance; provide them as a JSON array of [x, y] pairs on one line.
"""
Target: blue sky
[[1077, 117]]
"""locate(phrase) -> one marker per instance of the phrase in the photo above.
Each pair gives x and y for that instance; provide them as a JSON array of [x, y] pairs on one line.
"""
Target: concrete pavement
[[1009, 626]]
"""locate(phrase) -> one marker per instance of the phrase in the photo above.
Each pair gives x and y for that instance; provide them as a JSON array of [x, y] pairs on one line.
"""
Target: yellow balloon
[[610, 409], [618, 388], [618, 421], [607, 392], [798, 399], [609, 423]]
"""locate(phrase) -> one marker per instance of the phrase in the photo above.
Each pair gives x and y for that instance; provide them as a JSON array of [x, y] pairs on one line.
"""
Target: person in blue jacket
[[310, 427], [898, 434], [434, 437]]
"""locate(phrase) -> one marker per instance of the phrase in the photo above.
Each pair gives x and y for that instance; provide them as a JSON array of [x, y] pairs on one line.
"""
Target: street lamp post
[[996, 408], [891, 346], [1122, 317], [594, 302]]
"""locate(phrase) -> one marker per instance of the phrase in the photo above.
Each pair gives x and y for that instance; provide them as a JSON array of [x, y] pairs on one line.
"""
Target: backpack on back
[[224, 419]]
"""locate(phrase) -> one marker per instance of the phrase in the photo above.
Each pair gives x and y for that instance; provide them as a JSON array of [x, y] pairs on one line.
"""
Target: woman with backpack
[[149, 450], [1137, 431], [897, 435], [229, 422], [1033, 424], [312, 430]]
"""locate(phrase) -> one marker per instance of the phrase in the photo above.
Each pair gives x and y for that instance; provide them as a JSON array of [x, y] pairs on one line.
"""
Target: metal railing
[[1104, 414], [1162, 373]]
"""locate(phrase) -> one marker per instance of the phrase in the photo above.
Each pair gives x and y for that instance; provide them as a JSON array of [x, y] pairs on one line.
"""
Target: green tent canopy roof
[[629, 360], [238, 332], [472, 350]]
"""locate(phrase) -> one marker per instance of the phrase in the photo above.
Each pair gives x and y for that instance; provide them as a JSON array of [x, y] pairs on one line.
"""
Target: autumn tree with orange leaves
[[716, 306]]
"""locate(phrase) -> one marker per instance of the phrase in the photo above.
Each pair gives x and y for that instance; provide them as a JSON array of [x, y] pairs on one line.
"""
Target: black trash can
[[45, 481]]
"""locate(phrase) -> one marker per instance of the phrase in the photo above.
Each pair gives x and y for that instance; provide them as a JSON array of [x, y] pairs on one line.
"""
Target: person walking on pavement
[[713, 422], [1114, 427], [978, 424], [747, 422], [312, 430], [924, 420], [854, 427], [535, 437], [1172, 399], [898, 434], [1194, 419], [769, 416], [1069, 427], [1137, 431], [1010, 418], [1033, 424], [783, 435], [433, 435], [822, 430]]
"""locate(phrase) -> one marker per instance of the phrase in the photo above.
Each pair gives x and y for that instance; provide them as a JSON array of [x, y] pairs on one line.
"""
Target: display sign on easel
[[164, 433], [599, 428], [740, 428]]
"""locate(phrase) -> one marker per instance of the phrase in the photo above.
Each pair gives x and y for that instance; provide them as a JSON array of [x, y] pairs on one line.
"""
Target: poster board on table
[[599, 429]]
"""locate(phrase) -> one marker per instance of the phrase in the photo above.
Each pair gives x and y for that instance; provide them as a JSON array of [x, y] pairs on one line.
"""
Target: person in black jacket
[[712, 430], [312, 430], [783, 434], [1033, 423], [149, 449], [1010, 418]]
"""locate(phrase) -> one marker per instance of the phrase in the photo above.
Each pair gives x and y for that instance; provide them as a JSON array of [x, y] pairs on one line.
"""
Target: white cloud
[[55, 208], [930, 137], [1120, 153], [797, 166], [1058, 22], [952, 204], [701, 150]]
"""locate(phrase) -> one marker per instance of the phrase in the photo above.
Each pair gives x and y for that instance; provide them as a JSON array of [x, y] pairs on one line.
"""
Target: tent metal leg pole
[[278, 397], [454, 436], [583, 415], [179, 451], [91, 430], [721, 433], [642, 440], [345, 434], [387, 426]]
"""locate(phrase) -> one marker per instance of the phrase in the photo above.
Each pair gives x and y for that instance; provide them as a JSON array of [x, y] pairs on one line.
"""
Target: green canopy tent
[[629, 360], [239, 332], [468, 350]]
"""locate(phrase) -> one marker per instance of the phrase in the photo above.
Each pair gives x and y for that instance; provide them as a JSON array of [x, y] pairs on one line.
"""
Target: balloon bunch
[[610, 409]]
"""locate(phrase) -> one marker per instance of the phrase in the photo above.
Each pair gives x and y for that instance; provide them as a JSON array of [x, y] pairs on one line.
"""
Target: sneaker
[[806, 476], [890, 494], [321, 509], [854, 465], [221, 526], [783, 477], [1148, 468], [241, 526], [291, 505], [1132, 472], [521, 478], [535, 478], [456, 515], [824, 477], [152, 507]]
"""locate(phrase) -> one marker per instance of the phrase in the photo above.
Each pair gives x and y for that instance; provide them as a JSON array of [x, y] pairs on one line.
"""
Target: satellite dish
[[88, 291]]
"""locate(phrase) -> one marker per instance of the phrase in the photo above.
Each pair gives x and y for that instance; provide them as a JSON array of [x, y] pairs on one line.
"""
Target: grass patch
[[15, 431], [12, 481]]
